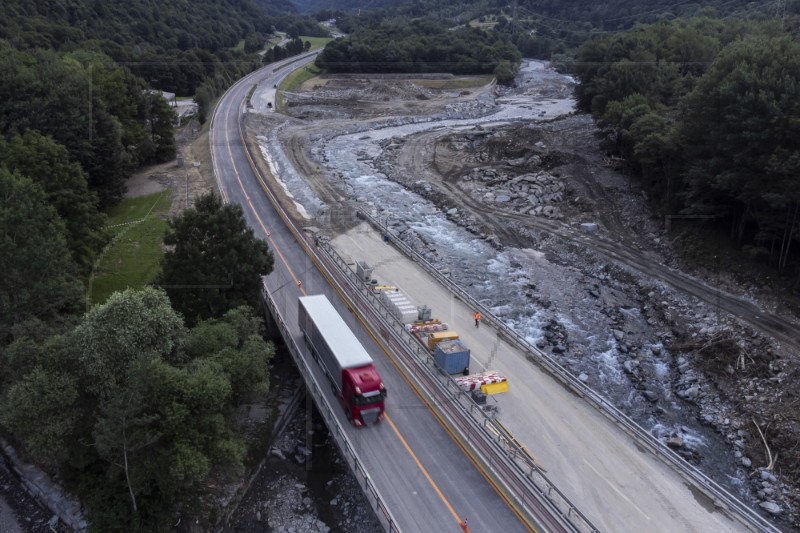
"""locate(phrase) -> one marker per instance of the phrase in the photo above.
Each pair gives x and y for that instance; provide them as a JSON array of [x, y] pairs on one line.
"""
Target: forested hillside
[[175, 46], [610, 15], [421, 46], [707, 114], [547, 29], [83, 393]]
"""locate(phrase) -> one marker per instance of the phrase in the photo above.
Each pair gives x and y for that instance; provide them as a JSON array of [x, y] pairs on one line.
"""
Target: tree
[[234, 342], [39, 410], [505, 73], [38, 275], [740, 133], [152, 423], [66, 187], [144, 325], [216, 262]]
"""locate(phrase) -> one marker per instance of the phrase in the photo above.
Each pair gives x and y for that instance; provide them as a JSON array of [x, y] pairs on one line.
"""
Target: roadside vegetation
[[127, 341], [706, 114], [133, 257]]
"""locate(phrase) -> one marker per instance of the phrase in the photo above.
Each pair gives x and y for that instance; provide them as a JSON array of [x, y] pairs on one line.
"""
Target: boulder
[[771, 507]]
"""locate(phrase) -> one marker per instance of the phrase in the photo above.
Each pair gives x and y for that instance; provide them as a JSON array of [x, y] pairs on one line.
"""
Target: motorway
[[423, 476], [616, 482]]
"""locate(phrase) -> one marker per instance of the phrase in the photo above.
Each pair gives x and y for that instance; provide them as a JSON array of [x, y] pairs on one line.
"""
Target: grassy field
[[294, 80], [133, 257], [316, 42]]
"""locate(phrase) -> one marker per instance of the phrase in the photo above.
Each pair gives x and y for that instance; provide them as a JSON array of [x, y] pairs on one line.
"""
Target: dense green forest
[[102, 115], [546, 29], [131, 407], [134, 402], [421, 46], [707, 114], [135, 421], [174, 46]]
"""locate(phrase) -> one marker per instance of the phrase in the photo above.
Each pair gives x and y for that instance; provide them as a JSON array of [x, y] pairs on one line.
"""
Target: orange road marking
[[302, 290], [422, 468]]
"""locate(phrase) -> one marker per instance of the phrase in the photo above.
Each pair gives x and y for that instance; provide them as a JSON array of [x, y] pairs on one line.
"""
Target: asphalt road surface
[[618, 485], [427, 482]]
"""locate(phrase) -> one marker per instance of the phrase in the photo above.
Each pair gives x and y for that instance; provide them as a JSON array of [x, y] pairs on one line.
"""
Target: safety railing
[[536, 488], [722, 499], [336, 430]]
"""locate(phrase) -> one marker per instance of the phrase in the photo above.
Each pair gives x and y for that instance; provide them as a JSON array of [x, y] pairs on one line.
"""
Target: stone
[[629, 367], [619, 335], [771, 507], [675, 442], [746, 462], [583, 377], [650, 396]]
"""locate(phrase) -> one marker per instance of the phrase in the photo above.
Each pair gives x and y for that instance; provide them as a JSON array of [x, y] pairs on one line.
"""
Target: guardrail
[[532, 487], [320, 399], [336, 429], [722, 499], [540, 489]]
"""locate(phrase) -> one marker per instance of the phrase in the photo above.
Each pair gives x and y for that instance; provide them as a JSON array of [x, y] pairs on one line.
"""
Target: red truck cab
[[362, 395]]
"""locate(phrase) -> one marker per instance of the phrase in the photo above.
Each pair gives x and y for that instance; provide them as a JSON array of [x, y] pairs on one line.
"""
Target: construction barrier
[[475, 381], [494, 388], [384, 288], [428, 327]]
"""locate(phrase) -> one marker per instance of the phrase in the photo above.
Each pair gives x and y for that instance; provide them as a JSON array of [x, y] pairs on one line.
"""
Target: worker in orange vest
[[477, 317]]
